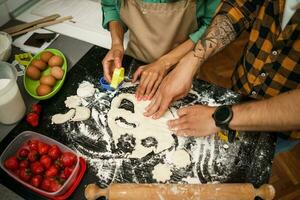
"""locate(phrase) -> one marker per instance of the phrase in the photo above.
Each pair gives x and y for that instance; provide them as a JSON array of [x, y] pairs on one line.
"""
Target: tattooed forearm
[[219, 34]]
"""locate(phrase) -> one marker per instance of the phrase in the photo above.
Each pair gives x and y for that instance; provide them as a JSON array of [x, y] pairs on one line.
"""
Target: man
[[268, 71]]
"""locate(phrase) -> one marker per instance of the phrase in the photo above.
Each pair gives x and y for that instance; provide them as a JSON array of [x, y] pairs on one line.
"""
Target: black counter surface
[[252, 162]]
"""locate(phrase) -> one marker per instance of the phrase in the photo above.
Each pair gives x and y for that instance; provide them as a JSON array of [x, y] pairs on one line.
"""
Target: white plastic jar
[[12, 106]]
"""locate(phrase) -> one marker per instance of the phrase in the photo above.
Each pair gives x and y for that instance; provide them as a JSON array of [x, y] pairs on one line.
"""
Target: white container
[[12, 106], [19, 141], [5, 46]]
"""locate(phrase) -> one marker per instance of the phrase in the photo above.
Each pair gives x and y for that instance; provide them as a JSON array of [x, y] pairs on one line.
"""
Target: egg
[[55, 61], [48, 80], [41, 65], [57, 72], [33, 72], [43, 90], [46, 55]]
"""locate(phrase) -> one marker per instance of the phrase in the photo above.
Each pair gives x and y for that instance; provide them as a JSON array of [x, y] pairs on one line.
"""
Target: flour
[[81, 113], [73, 101], [124, 149], [62, 118], [180, 158], [85, 89], [162, 172], [127, 113]]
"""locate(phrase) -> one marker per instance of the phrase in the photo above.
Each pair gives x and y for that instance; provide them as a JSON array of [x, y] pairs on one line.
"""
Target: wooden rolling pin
[[237, 191]]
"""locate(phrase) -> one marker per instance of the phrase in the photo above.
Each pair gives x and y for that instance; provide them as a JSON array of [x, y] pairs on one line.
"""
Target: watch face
[[222, 114]]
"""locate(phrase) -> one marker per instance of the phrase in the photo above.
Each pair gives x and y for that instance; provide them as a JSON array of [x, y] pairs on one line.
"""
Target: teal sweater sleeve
[[110, 12], [205, 12]]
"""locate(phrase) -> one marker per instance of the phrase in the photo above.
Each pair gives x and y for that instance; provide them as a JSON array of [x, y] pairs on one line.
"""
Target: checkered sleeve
[[241, 12]]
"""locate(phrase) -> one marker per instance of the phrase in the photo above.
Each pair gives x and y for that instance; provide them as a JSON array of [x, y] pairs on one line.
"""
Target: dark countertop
[[251, 156]]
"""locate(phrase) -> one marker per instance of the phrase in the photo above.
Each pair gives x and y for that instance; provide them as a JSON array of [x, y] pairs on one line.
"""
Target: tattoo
[[219, 34]]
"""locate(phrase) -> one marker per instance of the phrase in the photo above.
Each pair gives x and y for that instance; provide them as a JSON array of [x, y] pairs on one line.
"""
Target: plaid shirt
[[270, 64]]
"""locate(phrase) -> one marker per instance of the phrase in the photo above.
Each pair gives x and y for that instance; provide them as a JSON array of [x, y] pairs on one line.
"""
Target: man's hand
[[194, 121], [174, 86], [150, 77], [112, 60]]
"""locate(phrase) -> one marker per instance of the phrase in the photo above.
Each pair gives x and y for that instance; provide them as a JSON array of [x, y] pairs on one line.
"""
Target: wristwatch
[[222, 116]]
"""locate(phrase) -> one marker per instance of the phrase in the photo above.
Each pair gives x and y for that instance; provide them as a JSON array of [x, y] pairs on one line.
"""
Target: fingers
[[142, 87], [182, 111], [178, 124], [118, 56], [162, 108], [150, 85], [154, 89], [153, 106], [137, 74], [107, 65], [186, 133]]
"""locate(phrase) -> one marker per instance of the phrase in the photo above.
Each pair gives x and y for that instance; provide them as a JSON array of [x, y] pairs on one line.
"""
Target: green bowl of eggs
[[45, 74]]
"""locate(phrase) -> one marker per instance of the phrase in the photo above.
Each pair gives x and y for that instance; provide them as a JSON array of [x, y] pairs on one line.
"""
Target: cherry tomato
[[36, 180], [54, 185], [37, 168], [23, 153], [24, 164], [68, 159], [67, 172], [54, 152], [25, 174], [12, 163], [33, 144], [52, 171], [46, 183], [46, 161], [33, 155], [43, 148]]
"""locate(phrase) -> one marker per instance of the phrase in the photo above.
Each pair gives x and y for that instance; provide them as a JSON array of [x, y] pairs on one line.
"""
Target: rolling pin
[[238, 191]]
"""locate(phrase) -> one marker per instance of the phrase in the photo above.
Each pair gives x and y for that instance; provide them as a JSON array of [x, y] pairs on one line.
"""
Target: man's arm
[[280, 113], [219, 34]]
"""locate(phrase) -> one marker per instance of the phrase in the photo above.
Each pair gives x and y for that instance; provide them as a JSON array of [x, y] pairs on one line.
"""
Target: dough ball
[[48, 80], [41, 65], [43, 90], [57, 72], [33, 72], [46, 55], [55, 61]]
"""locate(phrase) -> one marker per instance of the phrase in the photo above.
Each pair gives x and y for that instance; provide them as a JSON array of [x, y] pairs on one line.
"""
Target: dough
[[82, 113], [144, 134], [180, 158], [162, 172], [85, 89], [72, 101], [62, 118]]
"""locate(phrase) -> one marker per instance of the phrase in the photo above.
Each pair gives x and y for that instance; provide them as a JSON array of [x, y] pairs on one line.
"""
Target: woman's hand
[[150, 77], [112, 60], [174, 86]]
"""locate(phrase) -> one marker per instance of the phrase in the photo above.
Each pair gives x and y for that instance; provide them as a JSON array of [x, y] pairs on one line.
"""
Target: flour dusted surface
[[116, 153]]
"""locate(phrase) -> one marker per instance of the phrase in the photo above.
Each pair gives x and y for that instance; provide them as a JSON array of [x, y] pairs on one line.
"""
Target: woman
[[161, 32]]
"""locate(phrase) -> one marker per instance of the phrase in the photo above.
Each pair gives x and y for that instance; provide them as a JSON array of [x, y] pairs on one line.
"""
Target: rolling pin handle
[[266, 192], [93, 192]]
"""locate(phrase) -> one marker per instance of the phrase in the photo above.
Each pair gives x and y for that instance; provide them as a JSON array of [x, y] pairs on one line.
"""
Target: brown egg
[[57, 72], [55, 61], [46, 55], [33, 72], [41, 65], [43, 90], [48, 80]]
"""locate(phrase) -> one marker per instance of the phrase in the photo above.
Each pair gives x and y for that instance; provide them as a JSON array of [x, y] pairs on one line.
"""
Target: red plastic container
[[71, 183]]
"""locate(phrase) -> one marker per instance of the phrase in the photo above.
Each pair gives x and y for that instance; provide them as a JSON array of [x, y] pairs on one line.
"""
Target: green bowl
[[31, 85]]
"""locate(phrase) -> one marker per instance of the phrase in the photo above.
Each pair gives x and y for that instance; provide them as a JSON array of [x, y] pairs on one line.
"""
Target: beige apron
[[157, 28]]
